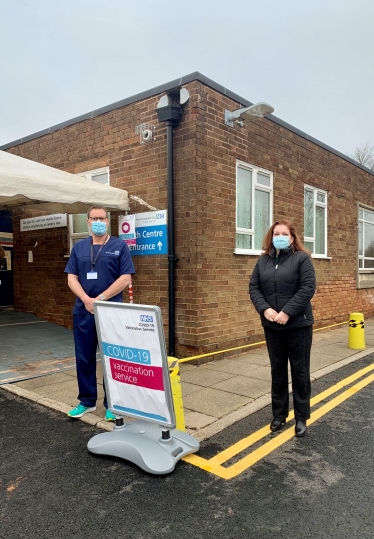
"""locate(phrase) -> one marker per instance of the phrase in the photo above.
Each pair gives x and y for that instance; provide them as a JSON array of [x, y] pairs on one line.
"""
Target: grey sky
[[312, 60]]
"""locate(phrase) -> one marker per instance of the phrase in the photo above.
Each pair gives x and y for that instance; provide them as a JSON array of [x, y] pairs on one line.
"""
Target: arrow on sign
[[159, 245]]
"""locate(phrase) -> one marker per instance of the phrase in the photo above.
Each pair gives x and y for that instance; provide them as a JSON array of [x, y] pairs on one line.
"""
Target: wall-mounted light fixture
[[252, 113]]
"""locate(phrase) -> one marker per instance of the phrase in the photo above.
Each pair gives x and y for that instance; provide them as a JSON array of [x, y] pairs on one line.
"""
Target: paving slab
[[243, 385], [187, 388], [62, 391], [235, 367], [196, 420], [43, 381], [204, 376], [213, 402]]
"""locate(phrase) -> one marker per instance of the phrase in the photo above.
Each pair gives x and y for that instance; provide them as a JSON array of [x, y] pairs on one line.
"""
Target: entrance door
[[6, 264], [6, 278]]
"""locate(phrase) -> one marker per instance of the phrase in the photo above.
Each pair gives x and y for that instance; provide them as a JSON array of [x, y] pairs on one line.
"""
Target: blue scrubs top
[[114, 260]]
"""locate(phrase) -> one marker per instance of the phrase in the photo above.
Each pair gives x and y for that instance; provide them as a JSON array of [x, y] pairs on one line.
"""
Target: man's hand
[[88, 303], [270, 314], [281, 318]]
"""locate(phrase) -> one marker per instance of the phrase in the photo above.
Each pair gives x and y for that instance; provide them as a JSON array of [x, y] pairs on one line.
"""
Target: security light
[[252, 113]]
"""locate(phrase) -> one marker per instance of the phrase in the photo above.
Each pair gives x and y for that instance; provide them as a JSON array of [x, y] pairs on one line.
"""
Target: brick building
[[230, 184]]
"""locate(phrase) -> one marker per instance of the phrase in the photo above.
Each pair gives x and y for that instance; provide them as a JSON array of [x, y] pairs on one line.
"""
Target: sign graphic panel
[[45, 221], [132, 346], [151, 234], [126, 229]]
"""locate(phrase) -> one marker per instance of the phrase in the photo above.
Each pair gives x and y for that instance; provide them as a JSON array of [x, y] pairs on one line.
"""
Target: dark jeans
[[293, 345], [85, 340]]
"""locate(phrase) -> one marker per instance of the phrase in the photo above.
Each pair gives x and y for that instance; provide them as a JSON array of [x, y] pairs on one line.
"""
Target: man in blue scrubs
[[99, 268]]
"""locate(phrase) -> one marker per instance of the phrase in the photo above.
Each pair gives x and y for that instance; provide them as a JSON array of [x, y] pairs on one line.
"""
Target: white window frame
[[255, 186], [363, 208], [317, 203], [90, 175], [75, 235]]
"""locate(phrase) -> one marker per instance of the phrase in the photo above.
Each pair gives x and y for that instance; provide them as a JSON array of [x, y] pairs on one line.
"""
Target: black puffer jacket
[[287, 286]]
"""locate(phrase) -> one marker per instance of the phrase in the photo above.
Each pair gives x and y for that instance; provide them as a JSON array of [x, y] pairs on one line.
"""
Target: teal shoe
[[109, 416], [80, 410]]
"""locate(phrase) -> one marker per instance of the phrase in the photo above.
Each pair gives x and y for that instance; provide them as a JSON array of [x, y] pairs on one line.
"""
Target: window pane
[[360, 240], [80, 223], [320, 231], [243, 241], [369, 264], [262, 216], [369, 240], [360, 263], [321, 197], [263, 179], [309, 245], [100, 178], [369, 216], [308, 214], [360, 214], [244, 198]]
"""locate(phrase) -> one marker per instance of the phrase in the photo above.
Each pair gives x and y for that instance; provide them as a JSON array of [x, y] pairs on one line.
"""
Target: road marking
[[214, 465]]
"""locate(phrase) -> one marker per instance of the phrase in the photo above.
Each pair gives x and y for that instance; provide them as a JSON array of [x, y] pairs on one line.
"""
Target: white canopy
[[27, 183]]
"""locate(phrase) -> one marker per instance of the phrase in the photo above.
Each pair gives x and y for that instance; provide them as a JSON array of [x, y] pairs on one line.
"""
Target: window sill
[[366, 271], [247, 252], [257, 253]]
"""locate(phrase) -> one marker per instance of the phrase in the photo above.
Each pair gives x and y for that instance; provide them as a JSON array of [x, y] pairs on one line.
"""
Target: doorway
[[6, 260]]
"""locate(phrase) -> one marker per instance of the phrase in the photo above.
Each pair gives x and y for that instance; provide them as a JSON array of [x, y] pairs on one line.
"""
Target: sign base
[[142, 443]]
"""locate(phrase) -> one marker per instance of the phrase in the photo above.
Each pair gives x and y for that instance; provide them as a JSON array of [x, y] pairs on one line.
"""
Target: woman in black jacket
[[281, 286]]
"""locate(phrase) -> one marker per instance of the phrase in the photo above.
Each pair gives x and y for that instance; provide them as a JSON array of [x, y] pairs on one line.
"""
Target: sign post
[[137, 382]]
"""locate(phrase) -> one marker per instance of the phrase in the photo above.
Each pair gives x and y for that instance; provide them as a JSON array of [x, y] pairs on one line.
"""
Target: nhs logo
[[146, 318], [159, 215]]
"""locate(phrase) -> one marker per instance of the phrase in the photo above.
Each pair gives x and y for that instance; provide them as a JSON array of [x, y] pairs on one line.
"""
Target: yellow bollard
[[176, 390], [356, 332]]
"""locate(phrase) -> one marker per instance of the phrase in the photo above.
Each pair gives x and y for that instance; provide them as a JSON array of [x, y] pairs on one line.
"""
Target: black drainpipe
[[171, 115]]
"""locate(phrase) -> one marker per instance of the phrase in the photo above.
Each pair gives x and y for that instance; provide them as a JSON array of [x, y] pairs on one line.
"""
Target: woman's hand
[[281, 318], [270, 314]]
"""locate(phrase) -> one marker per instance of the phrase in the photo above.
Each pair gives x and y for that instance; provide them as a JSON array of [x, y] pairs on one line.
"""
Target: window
[[254, 207], [365, 239], [315, 221], [100, 175], [78, 222]]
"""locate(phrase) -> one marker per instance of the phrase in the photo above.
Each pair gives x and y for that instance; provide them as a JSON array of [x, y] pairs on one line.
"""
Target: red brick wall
[[40, 286], [226, 317], [213, 310]]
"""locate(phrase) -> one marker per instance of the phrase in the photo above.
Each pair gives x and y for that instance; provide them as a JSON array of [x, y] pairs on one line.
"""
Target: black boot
[[276, 424], [300, 429]]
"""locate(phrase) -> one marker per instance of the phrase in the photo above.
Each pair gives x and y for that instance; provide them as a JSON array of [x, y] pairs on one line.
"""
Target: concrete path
[[215, 394]]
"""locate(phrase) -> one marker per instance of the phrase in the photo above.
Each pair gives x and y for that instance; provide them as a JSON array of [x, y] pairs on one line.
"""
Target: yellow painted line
[[258, 435], [214, 466]]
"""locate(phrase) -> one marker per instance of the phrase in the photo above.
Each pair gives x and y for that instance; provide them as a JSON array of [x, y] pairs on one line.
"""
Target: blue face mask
[[281, 242], [98, 228]]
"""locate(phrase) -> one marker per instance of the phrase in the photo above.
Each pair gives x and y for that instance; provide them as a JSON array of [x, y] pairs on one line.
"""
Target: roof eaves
[[175, 84]]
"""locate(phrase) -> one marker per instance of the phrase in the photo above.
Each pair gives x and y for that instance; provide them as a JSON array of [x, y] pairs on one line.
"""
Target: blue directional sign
[[151, 234]]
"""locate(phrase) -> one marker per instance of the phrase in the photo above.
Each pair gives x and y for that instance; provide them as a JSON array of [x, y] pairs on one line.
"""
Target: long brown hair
[[297, 244]]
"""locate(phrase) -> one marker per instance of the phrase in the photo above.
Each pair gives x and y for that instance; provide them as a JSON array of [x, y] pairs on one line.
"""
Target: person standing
[[281, 286], [99, 268]]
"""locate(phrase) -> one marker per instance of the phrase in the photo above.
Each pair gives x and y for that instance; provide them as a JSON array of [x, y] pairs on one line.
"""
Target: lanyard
[[93, 262]]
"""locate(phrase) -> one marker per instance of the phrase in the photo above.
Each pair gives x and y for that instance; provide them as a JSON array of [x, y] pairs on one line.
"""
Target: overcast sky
[[312, 60]]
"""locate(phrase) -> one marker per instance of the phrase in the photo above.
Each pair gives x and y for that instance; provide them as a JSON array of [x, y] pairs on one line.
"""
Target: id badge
[[92, 275]]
